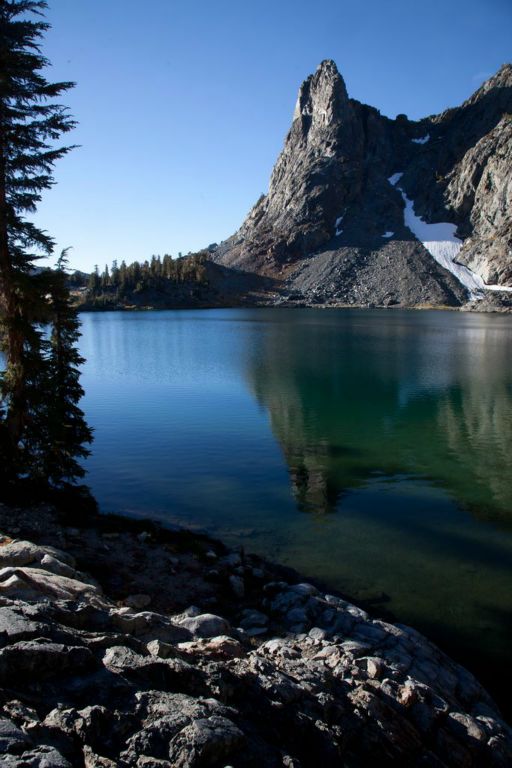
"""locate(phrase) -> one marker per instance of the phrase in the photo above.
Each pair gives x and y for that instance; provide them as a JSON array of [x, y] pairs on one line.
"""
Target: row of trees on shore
[[140, 276], [43, 433]]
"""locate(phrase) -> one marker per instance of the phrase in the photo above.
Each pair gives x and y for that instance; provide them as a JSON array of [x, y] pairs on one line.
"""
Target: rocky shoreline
[[125, 644], [490, 303]]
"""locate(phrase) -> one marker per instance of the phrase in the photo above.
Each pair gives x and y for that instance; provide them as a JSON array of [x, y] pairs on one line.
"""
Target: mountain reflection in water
[[436, 404]]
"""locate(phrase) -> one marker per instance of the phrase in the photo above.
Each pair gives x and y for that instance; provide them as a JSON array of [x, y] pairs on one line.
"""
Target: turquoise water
[[370, 449]]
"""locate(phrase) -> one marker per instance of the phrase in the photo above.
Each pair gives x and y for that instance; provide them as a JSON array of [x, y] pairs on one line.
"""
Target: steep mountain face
[[363, 209]]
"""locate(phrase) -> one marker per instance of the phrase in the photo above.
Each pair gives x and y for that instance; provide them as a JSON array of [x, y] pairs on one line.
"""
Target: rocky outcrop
[[480, 191], [332, 225], [287, 675]]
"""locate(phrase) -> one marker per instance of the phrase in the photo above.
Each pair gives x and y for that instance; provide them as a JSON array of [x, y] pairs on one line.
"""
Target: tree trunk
[[10, 316]]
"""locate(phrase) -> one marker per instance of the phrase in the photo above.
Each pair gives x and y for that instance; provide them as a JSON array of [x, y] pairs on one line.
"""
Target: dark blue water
[[371, 449]]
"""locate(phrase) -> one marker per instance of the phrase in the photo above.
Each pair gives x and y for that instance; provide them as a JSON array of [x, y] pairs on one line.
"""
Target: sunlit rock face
[[481, 184], [332, 227]]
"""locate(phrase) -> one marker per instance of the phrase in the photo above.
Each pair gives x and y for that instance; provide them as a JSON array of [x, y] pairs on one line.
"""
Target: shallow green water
[[370, 449]]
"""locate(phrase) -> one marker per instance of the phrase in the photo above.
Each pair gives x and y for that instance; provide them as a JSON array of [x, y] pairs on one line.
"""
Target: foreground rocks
[[261, 671]]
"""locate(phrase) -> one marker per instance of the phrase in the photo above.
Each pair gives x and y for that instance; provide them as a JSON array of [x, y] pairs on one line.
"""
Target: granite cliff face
[[363, 209]]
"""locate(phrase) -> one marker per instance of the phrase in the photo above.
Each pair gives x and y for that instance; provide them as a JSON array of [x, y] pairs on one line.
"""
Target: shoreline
[[470, 307], [178, 613]]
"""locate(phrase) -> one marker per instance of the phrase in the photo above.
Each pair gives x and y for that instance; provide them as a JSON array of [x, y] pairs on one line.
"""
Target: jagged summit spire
[[323, 94], [327, 66]]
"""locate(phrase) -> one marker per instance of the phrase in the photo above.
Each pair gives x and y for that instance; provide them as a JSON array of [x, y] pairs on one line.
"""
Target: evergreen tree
[[94, 284], [30, 125], [114, 275], [66, 430], [105, 278]]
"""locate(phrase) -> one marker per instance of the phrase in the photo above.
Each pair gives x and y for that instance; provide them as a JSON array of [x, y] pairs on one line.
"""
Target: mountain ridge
[[331, 228]]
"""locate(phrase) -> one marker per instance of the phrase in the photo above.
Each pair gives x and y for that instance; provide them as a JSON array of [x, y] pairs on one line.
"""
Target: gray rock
[[237, 585], [39, 757], [15, 625], [92, 760], [137, 601], [206, 625], [34, 584], [12, 738], [221, 647], [252, 618], [206, 742], [19, 553], [33, 660], [160, 649], [151, 671], [370, 633], [49, 563], [296, 616], [147, 625], [285, 601], [304, 589]]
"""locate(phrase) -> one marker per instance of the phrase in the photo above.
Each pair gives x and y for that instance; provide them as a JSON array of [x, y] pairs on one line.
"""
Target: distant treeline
[[123, 280]]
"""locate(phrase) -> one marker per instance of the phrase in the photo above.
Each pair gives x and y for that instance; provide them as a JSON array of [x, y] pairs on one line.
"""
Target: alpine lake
[[369, 449]]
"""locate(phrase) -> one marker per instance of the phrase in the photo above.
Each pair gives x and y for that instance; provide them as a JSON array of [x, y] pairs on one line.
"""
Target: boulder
[[206, 625]]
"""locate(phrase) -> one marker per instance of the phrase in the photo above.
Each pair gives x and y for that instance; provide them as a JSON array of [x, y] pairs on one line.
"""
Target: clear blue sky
[[183, 107]]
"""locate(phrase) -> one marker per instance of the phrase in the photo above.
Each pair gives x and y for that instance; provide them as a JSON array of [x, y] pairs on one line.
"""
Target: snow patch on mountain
[[422, 140], [442, 243], [395, 178]]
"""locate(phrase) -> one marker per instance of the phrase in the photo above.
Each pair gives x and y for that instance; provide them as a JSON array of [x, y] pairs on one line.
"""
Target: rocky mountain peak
[[494, 95], [323, 97], [501, 79], [337, 228]]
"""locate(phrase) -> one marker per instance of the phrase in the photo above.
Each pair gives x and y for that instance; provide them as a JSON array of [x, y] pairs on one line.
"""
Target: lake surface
[[371, 449]]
